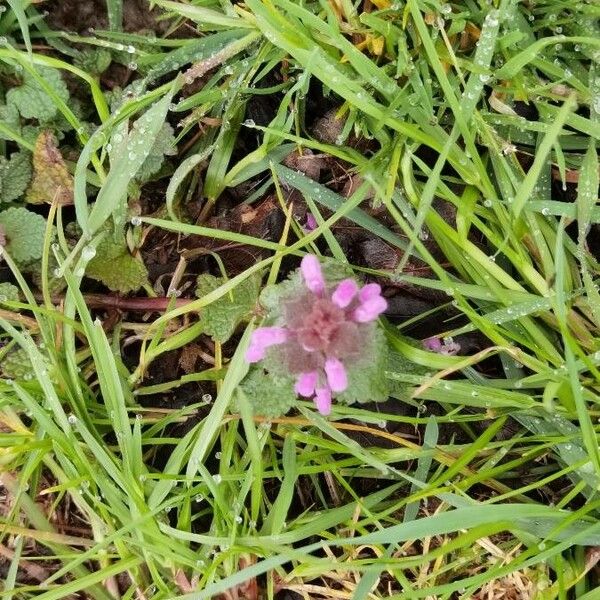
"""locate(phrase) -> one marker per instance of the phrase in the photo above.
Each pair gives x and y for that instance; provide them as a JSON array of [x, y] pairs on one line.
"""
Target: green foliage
[[31, 99], [269, 395], [94, 60], [9, 117], [367, 381], [15, 174], [23, 233], [164, 145], [8, 292], [116, 268], [220, 318], [16, 364]]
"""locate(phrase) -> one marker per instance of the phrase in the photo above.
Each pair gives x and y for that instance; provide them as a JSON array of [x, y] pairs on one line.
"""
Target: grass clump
[[163, 162]]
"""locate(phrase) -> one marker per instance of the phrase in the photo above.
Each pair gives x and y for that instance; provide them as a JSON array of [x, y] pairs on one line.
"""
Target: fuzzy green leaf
[[8, 292], [366, 379], [15, 174], [116, 268], [32, 101], [9, 117], [22, 234], [221, 318], [16, 365], [164, 145], [268, 395], [94, 60]]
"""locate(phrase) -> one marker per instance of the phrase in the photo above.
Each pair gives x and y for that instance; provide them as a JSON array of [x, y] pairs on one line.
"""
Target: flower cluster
[[324, 330]]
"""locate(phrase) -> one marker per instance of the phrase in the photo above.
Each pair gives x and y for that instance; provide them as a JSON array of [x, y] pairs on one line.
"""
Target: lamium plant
[[320, 340]]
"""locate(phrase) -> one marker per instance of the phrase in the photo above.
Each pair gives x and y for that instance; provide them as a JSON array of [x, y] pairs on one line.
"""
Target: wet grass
[[479, 477]]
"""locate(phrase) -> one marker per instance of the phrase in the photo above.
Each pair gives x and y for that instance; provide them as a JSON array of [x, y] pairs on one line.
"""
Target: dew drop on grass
[[88, 253], [72, 419], [238, 519], [217, 478], [206, 398], [136, 221]]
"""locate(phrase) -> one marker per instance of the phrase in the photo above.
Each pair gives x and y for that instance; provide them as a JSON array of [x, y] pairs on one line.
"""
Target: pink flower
[[448, 347], [326, 329]]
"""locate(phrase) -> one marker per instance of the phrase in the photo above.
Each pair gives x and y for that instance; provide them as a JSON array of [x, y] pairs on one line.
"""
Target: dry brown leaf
[[51, 179]]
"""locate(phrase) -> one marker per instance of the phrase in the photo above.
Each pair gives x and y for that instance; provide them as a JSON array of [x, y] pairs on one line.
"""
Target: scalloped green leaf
[[116, 268], [8, 292], [15, 175], [22, 234], [366, 379], [221, 318], [31, 99], [268, 395], [16, 365]]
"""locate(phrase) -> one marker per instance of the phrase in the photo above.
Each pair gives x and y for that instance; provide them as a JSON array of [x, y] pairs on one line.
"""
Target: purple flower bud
[[306, 384], [336, 375], [323, 400], [311, 223], [313, 276], [448, 347], [433, 343], [344, 293]]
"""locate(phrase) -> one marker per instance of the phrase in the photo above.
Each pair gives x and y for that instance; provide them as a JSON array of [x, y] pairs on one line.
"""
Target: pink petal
[[433, 343], [336, 375], [254, 354], [313, 276], [369, 291], [344, 293], [370, 310], [323, 400], [262, 338], [306, 383]]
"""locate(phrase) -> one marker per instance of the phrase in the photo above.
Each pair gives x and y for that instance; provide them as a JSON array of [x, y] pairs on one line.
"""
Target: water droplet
[[249, 123], [136, 221], [217, 479], [88, 253], [72, 419], [206, 398]]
